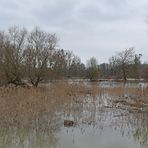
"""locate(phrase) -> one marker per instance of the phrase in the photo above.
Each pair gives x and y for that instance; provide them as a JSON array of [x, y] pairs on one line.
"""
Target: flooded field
[[104, 115]]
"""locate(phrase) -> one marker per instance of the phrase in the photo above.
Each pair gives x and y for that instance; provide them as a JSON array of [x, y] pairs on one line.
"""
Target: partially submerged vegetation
[[26, 104], [34, 115]]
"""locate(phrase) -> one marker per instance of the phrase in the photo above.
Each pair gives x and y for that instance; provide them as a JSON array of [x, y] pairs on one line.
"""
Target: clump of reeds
[[121, 90]]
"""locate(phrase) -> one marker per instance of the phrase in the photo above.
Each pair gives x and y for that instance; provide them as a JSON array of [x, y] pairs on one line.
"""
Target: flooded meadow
[[74, 115]]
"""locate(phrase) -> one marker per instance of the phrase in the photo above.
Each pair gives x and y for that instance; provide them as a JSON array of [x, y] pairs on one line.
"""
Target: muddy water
[[96, 123]]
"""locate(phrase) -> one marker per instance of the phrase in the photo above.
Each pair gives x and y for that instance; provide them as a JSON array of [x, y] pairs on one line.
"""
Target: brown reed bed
[[123, 90], [23, 105], [19, 104]]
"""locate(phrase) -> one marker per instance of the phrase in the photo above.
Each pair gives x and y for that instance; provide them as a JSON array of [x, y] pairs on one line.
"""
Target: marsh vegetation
[[48, 115]]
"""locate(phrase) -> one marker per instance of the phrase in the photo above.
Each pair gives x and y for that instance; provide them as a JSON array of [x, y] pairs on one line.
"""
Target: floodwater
[[94, 124]]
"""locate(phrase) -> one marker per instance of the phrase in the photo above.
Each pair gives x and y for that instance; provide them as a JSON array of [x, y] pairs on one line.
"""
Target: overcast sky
[[98, 28]]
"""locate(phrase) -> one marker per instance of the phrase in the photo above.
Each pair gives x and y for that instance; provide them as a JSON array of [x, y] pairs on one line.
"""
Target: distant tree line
[[125, 64], [33, 56]]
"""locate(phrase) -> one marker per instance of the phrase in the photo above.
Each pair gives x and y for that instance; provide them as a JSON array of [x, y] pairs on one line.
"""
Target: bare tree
[[145, 71], [77, 69], [124, 59], [66, 64], [62, 61], [134, 69], [92, 69], [37, 55], [59, 63], [12, 45], [113, 65], [122, 62]]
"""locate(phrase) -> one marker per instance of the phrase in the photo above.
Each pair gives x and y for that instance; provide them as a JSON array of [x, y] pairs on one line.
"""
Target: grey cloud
[[60, 13], [88, 27], [54, 14], [106, 10], [9, 5]]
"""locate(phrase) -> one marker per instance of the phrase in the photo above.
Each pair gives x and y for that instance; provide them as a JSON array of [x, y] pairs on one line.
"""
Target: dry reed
[[22, 105]]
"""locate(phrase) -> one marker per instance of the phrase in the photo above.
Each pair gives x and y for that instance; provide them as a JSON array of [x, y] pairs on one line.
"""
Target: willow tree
[[12, 45], [37, 55]]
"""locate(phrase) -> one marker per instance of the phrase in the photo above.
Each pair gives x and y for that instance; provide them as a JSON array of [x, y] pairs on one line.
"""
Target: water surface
[[97, 124]]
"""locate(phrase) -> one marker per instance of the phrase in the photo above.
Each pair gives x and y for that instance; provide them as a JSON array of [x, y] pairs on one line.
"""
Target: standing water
[[89, 122]]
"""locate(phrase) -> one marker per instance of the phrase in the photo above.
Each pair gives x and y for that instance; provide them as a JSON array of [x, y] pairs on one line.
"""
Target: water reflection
[[20, 137], [96, 124], [96, 113]]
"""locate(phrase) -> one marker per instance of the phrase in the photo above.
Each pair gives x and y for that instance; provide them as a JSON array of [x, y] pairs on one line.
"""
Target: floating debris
[[68, 123]]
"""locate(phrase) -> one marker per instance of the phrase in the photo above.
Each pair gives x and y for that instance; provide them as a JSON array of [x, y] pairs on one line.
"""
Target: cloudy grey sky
[[97, 28]]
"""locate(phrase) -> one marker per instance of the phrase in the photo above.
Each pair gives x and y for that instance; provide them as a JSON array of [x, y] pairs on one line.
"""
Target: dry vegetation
[[19, 104], [23, 105]]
